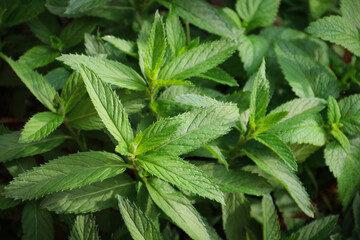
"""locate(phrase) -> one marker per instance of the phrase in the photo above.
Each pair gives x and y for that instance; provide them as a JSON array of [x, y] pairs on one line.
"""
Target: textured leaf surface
[[10, 148], [273, 142], [175, 33], [182, 174], [38, 56], [40, 125], [125, 46], [64, 173], [74, 32], [90, 198], [6, 203], [333, 111], [350, 114], [345, 165], [271, 164], [37, 223], [220, 76], [197, 60], [307, 77], [317, 230], [35, 82], [271, 227], [108, 106], [84, 228], [110, 71], [73, 91], [79, 6], [178, 208], [140, 226]]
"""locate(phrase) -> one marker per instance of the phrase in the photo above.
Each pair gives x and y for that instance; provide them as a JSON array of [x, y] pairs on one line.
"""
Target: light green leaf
[[140, 226], [64, 173], [303, 151], [108, 106], [74, 32], [37, 223], [166, 83], [259, 96], [307, 77], [252, 50], [340, 137], [57, 77], [84, 228], [35, 82], [38, 56], [350, 11], [90, 198], [216, 152], [220, 76], [235, 215], [272, 165], [197, 60], [179, 209], [73, 91], [317, 230], [126, 46], [180, 173], [155, 48], [174, 33], [273, 142], [200, 126], [236, 180], [84, 116], [337, 30], [80, 6], [109, 71], [257, 13], [10, 148], [40, 125], [333, 111], [350, 114], [271, 227], [344, 165], [269, 121]]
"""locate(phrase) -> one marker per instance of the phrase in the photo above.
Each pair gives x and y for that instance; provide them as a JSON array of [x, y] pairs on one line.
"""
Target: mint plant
[[180, 119]]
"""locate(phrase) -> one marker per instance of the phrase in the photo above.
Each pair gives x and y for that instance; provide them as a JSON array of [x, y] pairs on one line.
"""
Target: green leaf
[[6, 203], [307, 77], [166, 83], [344, 165], [38, 56], [64, 173], [174, 33], [316, 230], [10, 148], [44, 26], [333, 111], [216, 152], [204, 16], [155, 48], [272, 165], [37, 223], [40, 125], [109, 71], [90, 198], [350, 114], [140, 226], [259, 96], [350, 10], [80, 6], [340, 137], [84, 228], [200, 126], [236, 180], [197, 60], [57, 77], [74, 32], [179, 209], [24, 11], [269, 121], [73, 91], [84, 116], [35, 82], [108, 106], [252, 50], [337, 30], [257, 13], [271, 227], [279, 147], [126, 46], [18, 166], [235, 215], [180, 173], [220, 76]]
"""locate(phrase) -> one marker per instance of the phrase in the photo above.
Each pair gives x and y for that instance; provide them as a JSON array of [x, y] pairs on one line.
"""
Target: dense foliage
[[191, 119]]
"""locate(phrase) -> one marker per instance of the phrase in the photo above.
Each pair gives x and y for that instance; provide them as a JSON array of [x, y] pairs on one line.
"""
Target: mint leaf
[[220, 76], [126, 46], [350, 114], [269, 121], [175, 33], [40, 125], [109, 71], [271, 227], [341, 138], [139, 225], [333, 111], [80, 6], [108, 106], [38, 56], [90, 198], [350, 10], [84, 228], [180, 173], [73, 91], [344, 165], [64, 173], [178, 208]]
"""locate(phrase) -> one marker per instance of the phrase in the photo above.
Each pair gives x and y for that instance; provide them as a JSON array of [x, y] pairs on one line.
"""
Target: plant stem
[[187, 28], [76, 137]]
